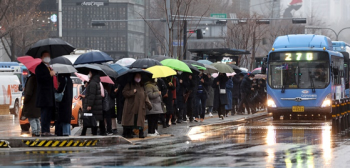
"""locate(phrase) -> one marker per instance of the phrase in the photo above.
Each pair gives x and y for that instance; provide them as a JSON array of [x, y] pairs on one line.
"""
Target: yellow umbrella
[[159, 71]]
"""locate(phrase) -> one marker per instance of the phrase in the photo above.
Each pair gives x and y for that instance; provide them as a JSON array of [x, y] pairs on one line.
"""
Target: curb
[[49, 142], [221, 125]]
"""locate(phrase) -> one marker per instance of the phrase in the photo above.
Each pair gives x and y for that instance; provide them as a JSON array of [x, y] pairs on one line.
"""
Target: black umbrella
[[194, 62], [235, 68], [86, 68], [108, 70], [93, 57], [55, 46], [128, 76], [160, 57], [61, 60], [195, 70], [144, 63]]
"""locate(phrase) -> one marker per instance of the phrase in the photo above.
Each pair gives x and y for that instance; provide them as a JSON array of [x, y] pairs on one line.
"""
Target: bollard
[[338, 116], [346, 114], [334, 117], [342, 110]]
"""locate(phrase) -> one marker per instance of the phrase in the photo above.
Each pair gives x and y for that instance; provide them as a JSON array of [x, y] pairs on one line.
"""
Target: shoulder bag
[[59, 96]]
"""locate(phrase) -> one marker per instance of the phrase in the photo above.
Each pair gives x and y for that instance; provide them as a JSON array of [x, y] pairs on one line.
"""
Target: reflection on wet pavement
[[257, 144]]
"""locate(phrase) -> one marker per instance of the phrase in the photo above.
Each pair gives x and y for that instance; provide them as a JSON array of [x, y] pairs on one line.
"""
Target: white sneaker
[[152, 135], [210, 115], [157, 132]]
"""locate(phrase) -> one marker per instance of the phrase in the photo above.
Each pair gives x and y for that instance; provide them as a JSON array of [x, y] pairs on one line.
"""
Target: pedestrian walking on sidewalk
[[45, 99], [201, 96], [189, 96], [155, 97], [168, 100], [246, 90], [220, 97], [229, 87], [30, 110], [65, 106], [236, 93], [210, 99], [134, 111]]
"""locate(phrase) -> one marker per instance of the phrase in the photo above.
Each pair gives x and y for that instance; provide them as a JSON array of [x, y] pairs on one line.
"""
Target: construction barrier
[[60, 143]]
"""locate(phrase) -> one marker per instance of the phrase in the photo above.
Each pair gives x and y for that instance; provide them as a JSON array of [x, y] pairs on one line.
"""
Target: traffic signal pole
[[184, 40]]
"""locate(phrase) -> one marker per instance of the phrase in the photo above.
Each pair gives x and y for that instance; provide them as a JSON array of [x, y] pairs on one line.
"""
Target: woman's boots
[[127, 133]]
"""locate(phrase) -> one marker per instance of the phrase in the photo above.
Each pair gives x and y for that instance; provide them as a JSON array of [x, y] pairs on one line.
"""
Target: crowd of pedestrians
[[184, 97]]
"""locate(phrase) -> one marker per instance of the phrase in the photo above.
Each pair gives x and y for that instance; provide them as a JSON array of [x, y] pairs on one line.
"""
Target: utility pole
[[167, 23], [59, 18], [185, 40]]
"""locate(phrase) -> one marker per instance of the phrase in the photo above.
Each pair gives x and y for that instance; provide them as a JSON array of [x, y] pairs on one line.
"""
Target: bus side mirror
[[264, 66], [20, 87]]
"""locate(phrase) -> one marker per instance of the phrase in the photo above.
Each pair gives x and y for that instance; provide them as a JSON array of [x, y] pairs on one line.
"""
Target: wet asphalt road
[[262, 143]]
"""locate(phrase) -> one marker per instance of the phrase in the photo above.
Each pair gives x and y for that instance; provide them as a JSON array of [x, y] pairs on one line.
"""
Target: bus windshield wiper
[[312, 83]]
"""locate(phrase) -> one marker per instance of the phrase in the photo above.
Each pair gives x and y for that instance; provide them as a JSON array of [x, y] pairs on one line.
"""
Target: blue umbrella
[[118, 68], [93, 57], [205, 62]]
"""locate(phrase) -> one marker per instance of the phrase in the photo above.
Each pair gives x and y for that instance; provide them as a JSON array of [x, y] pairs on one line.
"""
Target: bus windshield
[[302, 74]]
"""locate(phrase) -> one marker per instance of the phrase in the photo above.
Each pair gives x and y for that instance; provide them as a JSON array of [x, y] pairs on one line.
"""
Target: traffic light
[[199, 34]]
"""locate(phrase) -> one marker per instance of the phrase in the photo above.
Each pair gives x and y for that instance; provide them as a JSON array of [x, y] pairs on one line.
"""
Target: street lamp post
[[336, 34]]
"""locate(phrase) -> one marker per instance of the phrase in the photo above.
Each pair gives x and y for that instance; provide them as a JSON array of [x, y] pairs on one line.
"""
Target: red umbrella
[[29, 62]]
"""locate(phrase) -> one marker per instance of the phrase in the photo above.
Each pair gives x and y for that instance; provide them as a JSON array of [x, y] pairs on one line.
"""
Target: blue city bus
[[304, 75], [344, 48]]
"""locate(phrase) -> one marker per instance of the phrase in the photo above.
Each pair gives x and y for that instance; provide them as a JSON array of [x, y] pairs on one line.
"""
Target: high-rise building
[[241, 6], [117, 38]]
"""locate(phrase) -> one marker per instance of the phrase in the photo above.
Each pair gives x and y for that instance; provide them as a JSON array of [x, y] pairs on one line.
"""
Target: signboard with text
[[219, 15]]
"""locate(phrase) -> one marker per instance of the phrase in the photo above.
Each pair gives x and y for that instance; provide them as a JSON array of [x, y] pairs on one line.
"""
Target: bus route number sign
[[299, 56]]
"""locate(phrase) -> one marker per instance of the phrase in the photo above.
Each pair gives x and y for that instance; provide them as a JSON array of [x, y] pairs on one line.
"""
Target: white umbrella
[[126, 61], [63, 68]]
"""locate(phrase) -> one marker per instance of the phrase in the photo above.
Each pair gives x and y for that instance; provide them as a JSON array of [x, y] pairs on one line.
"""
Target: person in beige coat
[[155, 97], [134, 111]]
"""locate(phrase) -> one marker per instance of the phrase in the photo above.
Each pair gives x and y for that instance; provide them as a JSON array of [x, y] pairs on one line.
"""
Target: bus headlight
[[271, 103], [326, 103]]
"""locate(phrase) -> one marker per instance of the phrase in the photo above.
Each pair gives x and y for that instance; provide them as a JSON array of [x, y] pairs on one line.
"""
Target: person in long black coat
[[246, 90], [168, 100], [120, 102], [45, 99], [93, 101], [30, 110], [180, 91], [190, 86], [236, 94], [163, 89], [65, 106], [220, 100]]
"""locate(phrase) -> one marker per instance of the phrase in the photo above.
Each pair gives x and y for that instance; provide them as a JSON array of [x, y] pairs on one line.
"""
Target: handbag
[[89, 120], [59, 96], [222, 91]]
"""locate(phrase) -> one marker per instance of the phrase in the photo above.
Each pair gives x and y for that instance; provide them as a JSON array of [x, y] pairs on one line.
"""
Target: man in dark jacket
[[93, 101], [189, 84], [168, 99], [236, 94], [30, 110], [201, 96], [246, 90], [220, 98], [180, 91], [45, 92]]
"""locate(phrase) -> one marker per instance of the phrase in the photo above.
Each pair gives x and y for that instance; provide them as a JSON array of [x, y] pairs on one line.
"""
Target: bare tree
[[18, 29]]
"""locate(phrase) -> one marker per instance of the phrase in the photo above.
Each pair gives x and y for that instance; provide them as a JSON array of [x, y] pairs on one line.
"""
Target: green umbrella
[[199, 67], [223, 68], [210, 69], [176, 64]]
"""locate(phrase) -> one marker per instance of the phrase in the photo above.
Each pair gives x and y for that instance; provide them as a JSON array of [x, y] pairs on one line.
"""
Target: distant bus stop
[[219, 54]]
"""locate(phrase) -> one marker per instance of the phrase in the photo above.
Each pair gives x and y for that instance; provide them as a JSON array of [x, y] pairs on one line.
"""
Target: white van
[[10, 92]]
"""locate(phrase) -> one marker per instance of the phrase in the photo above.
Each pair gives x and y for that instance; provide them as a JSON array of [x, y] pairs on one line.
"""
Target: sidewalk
[[183, 128]]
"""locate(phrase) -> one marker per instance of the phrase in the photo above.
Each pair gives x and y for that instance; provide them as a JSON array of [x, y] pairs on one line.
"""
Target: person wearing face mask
[[246, 90], [45, 99], [93, 101], [134, 111]]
